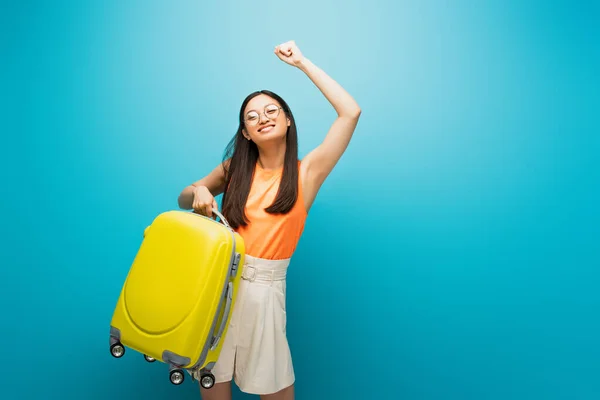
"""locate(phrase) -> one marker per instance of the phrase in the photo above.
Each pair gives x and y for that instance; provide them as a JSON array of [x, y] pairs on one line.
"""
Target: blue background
[[453, 254]]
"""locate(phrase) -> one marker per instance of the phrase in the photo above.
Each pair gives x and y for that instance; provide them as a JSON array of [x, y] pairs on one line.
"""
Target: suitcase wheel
[[149, 359], [176, 376], [207, 380], [117, 350]]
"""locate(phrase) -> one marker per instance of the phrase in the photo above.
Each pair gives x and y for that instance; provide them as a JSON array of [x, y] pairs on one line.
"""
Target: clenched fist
[[289, 53]]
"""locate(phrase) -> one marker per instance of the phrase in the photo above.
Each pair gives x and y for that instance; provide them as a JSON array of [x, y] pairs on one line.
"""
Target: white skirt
[[255, 350]]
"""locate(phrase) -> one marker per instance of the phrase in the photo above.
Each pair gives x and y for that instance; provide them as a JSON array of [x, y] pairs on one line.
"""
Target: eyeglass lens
[[271, 111]]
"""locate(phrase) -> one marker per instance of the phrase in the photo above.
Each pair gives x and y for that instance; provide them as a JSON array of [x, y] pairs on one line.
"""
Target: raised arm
[[319, 163]]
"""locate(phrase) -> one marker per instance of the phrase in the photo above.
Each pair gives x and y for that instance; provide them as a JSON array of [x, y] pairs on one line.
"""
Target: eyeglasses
[[271, 111]]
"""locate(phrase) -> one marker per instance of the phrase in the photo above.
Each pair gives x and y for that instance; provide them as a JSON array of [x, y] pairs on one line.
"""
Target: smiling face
[[264, 120]]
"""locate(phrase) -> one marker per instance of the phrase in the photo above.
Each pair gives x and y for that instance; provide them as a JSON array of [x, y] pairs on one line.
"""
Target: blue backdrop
[[453, 253]]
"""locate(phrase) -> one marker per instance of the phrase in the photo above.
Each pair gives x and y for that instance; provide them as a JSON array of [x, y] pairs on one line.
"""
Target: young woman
[[267, 193]]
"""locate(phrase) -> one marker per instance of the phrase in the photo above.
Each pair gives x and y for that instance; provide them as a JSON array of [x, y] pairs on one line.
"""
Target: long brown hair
[[243, 155]]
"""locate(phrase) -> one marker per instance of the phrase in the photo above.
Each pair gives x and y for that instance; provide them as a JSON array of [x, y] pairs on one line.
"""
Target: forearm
[[214, 182], [186, 198], [342, 102]]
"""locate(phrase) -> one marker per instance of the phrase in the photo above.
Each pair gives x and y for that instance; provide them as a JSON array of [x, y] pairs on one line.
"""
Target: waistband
[[263, 270]]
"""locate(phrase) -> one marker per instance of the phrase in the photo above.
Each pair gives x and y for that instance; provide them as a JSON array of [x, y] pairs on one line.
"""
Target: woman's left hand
[[289, 53]]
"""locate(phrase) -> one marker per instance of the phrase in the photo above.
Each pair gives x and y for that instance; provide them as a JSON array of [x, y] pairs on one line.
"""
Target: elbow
[[354, 113]]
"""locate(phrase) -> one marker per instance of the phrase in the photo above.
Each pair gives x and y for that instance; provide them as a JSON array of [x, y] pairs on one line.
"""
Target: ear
[[289, 122], [245, 134]]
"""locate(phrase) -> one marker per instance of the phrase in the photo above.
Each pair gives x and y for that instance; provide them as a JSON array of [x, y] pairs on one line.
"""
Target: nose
[[260, 118]]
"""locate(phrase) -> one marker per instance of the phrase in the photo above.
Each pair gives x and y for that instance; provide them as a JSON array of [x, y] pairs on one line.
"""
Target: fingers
[[196, 206], [203, 203], [281, 52], [203, 208], [285, 49], [289, 45]]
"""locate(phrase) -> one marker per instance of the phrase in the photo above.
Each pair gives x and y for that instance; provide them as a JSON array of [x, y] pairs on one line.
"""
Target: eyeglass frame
[[264, 112]]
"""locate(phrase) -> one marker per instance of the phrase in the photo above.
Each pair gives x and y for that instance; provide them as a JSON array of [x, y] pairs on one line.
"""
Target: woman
[[267, 193]]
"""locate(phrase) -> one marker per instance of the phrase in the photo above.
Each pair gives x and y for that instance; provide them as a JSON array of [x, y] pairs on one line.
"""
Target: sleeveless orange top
[[271, 236]]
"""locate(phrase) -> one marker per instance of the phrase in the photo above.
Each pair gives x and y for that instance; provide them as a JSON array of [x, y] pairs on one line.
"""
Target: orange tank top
[[271, 236]]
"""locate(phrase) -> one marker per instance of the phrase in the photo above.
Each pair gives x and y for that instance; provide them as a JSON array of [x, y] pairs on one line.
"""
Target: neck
[[272, 156]]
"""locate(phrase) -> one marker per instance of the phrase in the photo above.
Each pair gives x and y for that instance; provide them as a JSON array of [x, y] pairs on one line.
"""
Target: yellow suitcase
[[176, 302]]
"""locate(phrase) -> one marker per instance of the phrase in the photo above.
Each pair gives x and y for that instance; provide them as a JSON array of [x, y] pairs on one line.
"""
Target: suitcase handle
[[229, 295], [223, 220]]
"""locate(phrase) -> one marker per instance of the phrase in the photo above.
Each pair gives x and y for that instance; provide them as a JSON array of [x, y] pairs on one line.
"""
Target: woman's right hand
[[204, 201]]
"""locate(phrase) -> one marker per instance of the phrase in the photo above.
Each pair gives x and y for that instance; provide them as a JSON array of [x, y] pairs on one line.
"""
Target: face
[[264, 120]]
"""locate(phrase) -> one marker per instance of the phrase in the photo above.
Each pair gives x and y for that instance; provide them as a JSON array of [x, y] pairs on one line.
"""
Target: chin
[[271, 136]]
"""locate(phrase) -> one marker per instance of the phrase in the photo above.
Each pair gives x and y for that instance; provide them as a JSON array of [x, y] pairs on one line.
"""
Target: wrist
[[303, 64]]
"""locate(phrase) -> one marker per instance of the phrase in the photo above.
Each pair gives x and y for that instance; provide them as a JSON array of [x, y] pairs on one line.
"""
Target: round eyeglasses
[[271, 111]]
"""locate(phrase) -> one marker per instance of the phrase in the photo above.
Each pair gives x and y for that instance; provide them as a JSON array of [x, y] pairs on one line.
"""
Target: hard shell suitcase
[[176, 302]]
